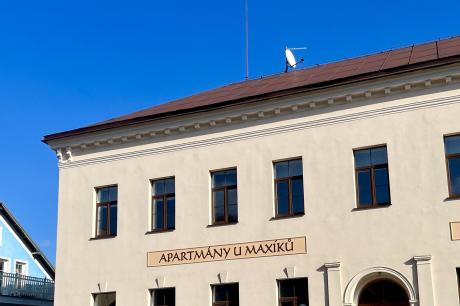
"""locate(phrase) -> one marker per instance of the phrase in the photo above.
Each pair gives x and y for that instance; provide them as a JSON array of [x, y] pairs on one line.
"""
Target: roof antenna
[[246, 17], [291, 62]]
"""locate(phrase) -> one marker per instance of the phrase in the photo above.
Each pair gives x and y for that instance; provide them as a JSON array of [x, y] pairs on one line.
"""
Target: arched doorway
[[383, 292]]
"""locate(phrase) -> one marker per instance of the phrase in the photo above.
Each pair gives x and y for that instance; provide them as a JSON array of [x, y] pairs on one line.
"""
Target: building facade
[[26, 275], [333, 185]]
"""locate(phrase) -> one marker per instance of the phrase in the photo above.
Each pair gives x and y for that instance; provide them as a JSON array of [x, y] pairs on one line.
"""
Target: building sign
[[455, 230], [278, 247]]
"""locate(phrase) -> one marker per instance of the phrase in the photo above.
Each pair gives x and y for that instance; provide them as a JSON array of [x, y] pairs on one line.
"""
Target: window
[[225, 295], [20, 268], [3, 265], [163, 204], [224, 197], [4, 268], [106, 211], [452, 146], [293, 292], [105, 299], [289, 188], [164, 297], [372, 180]]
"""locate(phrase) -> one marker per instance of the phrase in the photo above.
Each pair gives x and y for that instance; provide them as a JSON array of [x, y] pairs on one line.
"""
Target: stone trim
[[69, 163]]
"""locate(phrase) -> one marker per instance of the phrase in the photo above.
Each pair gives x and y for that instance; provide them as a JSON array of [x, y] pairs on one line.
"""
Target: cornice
[[263, 132], [64, 154], [332, 266], [422, 259]]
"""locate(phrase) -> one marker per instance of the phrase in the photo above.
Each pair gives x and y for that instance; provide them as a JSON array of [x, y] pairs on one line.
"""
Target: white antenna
[[291, 62], [247, 37]]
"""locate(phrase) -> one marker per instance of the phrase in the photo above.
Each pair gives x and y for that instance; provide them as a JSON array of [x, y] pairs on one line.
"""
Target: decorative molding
[[222, 277], [160, 281], [289, 272], [423, 259], [68, 152], [359, 281], [332, 265], [268, 131], [287, 109], [59, 155]]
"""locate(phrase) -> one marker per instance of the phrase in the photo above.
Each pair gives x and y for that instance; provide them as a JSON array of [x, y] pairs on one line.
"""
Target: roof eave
[[275, 94], [33, 247]]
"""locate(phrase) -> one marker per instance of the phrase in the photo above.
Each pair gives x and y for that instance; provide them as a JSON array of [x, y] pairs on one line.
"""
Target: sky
[[67, 64]]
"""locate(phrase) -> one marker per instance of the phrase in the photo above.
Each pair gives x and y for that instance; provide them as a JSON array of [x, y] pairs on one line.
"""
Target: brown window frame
[[225, 189], [292, 299], [108, 206], [152, 295], [289, 179], [164, 197], [372, 169], [223, 303], [448, 157]]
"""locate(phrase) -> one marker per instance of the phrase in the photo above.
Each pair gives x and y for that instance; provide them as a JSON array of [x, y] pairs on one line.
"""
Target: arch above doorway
[[362, 279]]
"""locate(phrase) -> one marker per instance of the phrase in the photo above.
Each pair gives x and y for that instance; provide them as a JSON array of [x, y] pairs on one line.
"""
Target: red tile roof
[[375, 65]]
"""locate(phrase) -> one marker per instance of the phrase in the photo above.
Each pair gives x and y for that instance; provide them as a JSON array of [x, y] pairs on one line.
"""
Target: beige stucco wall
[[417, 222]]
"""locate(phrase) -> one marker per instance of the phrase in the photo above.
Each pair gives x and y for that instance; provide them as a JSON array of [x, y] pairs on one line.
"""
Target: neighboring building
[[333, 185], [26, 275]]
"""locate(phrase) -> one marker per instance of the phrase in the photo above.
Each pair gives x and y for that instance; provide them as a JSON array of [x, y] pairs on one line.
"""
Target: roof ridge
[[47, 265]]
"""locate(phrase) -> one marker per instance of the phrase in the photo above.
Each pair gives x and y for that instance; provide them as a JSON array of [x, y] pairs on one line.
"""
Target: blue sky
[[66, 64]]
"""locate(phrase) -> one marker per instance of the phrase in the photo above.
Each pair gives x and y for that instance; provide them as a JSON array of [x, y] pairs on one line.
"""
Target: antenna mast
[[247, 37]]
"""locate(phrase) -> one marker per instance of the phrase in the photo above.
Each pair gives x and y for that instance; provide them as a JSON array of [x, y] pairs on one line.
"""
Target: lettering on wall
[[266, 248]]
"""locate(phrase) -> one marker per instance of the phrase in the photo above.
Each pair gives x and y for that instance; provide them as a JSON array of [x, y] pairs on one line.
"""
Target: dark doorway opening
[[383, 292]]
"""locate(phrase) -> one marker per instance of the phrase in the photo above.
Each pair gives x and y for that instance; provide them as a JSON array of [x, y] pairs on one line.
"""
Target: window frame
[[448, 157], [288, 300], [108, 206], [6, 264], [289, 179], [164, 197], [372, 169], [103, 293], [293, 299], [223, 303], [225, 189], [22, 263], [152, 297]]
